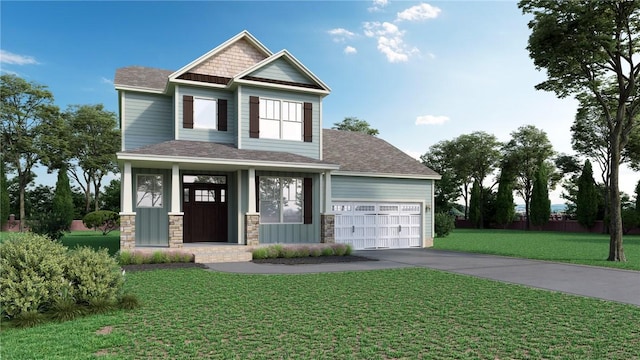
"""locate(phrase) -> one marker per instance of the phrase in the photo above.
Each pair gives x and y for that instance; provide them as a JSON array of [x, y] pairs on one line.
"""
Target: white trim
[[291, 58], [387, 175], [278, 86], [176, 192], [239, 117], [127, 189], [139, 89], [175, 213], [240, 222], [121, 213], [321, 132], [432, 210], [122, 120], [369, 200], [242, 35], [327, 193], [213, 161], [251, 190], [177, 120], [199, 83]]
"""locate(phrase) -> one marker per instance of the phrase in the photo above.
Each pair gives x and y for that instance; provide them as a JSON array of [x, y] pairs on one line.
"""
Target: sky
[[419, 72]]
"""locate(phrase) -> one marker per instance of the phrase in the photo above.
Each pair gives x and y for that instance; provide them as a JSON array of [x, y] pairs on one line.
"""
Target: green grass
[[588, 249], [93, 239], [401, 314]]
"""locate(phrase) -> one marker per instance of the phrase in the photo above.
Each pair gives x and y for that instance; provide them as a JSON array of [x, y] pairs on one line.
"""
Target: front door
[[205, 212]]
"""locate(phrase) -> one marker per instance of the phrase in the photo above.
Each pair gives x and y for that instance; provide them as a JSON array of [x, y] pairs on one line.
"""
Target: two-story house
[[230, 149]]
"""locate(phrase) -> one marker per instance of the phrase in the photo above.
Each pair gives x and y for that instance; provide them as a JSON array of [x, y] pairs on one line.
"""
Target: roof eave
[[277, 86], [387, 175], [140, 89]]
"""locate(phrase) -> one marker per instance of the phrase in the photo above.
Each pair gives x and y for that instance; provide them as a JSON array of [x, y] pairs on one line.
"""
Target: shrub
[[29, 318], [181, 257], [128, 302], [289, 252], [444, 224], [32, 273], [46, 224], [315, 251], [260, 253], [94, 275], [274, 251], [104, 220], [339, 249], [349, 250], [125, 257], [159, 257], [302, 251], [327, 251]]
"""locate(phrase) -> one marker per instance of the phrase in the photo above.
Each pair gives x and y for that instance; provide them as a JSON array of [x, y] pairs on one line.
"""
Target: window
[[149, 191], [280, 119], [205, 113], [281, 200]]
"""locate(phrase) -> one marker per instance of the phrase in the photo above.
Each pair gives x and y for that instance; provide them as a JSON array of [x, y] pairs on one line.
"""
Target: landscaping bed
[[313, 260]]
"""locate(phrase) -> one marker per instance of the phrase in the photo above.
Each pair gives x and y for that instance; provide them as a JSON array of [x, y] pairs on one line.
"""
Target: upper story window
[[280, 119], [204, 113]]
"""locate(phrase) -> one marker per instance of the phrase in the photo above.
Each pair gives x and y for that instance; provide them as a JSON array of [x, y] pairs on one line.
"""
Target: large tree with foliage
[[4, 194], [94, 140], [111, 196], [62, 208], [528, 149], [590, 48], [352, 123], [540, 203], [441, 159], [587, 197], [475, 207], [28, 118], [505, 207]]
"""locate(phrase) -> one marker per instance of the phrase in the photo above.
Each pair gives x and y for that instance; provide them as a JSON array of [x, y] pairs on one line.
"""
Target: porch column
[[127, 216], [176, 223], [327, 218], [252, 217]]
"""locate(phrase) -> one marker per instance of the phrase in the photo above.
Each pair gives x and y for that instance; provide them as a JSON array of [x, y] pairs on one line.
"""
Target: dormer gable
[[223, 63]]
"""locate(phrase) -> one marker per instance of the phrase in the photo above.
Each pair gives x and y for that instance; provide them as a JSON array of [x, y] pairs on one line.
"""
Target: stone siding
[[327, 228], [233, 60], [252, 229], [175, 231], [127, 231]]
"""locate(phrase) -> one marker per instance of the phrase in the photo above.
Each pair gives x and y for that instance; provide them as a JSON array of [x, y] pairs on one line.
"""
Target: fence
[[13, 225]]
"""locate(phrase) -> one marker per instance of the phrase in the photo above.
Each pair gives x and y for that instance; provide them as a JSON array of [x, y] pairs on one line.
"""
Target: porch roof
[[204, 152]]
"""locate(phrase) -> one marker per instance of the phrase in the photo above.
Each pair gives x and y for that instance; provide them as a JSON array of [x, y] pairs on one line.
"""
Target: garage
[[378, 225]]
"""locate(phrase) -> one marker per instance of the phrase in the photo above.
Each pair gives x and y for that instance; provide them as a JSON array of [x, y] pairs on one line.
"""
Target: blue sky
[[419, 72]]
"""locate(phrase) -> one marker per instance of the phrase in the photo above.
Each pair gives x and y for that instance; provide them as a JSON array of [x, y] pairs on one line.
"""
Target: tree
[[587, 197], [62, 208], [638, 198], [505, 208], [447, 189], [352, 123], [528, 149], [475, 208], [590, 49], [4, 195], [28, 115], [93, 142], [569, 166], [111, 196], [540, 203]]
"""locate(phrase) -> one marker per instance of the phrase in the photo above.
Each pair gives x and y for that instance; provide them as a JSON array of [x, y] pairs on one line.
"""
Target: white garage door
[[367, 225]]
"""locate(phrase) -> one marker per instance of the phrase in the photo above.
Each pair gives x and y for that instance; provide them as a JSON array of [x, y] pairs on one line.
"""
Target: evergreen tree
[[62, 207], [475, 210], [540, 203], [587, 197], [505, 208], [4, 195]]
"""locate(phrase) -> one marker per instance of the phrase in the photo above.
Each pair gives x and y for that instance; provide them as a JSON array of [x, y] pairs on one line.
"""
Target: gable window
[[281, 200], [205, 113], [280, 119], [149, 191]]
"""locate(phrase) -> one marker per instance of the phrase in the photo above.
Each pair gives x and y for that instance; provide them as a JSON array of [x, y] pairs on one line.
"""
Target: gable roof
[[359, 153], [143, 78]]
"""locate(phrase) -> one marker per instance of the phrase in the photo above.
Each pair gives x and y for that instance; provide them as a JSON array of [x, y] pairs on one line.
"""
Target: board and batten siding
[[379, 189], [229, 137], [294, 233], [152, 224], [308, 149], [282, 70], [148, 119]]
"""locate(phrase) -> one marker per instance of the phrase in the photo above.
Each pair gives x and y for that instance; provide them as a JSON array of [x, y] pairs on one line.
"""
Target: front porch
[[208, 252]]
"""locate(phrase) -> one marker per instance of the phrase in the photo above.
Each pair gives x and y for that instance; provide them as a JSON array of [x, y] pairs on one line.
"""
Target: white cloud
[[431, 120], [341, 34], [350, 50], [390, 40], [7, 57], [104, 80], [420, 12], [378, 5]]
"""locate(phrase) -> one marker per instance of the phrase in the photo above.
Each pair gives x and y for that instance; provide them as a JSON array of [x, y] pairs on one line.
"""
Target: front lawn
[[579, 248], [388, 314], [93, 239]]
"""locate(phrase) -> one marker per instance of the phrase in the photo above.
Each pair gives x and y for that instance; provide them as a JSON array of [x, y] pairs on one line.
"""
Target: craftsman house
[[230, 149]]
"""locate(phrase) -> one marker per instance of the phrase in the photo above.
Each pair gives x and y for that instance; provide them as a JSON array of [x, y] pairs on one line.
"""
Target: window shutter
[[308, 123], [308, 200], [222, 114], [257, 194], [254, 117], [187, 112]]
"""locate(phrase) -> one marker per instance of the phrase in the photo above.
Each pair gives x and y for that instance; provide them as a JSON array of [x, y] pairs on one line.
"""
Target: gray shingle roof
[[142, 77], [358, 152], [210, 150]]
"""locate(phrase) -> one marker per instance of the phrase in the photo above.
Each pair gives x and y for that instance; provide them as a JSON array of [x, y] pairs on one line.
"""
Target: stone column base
[[176, 231], [127, 231], [252, 229], [327, 228]]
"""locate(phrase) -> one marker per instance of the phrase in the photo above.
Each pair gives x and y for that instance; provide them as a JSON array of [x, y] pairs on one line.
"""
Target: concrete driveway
[[602, 283]]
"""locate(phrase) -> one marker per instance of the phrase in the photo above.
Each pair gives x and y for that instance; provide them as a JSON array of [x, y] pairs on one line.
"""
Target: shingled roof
[[359, 152], [142, 77], [216, 151]]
